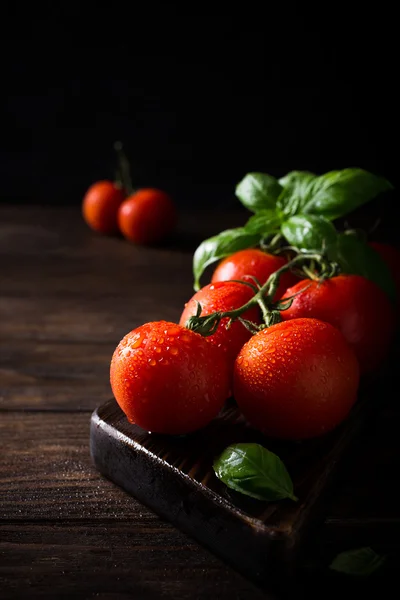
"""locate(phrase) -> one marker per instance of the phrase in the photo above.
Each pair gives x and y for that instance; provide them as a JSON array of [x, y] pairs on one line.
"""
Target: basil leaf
[[355, 256], [254, 471], [337, 193], [296, 191], [264, 222], [221, 245], [360, 562], [258, 191], [309, 232]]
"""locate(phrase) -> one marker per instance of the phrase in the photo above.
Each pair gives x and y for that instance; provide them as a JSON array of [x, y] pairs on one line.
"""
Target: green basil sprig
[[254, 471], [359, 562], [300, 207]]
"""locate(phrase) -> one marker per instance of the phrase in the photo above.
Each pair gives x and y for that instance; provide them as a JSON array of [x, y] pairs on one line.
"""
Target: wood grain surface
[[67, 296]]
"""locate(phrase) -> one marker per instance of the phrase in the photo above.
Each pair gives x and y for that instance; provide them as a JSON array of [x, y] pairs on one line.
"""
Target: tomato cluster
[[293, 379]]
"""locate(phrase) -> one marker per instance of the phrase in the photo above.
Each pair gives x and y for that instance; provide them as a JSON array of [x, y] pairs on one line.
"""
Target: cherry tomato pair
[[145, 217], [294, 380]]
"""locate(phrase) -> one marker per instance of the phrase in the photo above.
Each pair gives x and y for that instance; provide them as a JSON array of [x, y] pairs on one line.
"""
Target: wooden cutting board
[[174, 477]]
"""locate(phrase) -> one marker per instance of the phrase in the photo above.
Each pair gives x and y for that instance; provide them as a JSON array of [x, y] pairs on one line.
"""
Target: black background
[[199, 95]]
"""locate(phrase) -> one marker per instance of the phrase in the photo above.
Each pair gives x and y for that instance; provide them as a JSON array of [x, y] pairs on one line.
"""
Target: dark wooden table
[[67, 296]]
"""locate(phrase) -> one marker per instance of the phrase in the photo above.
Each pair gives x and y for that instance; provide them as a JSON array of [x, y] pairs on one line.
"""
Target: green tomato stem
[[124, 178], [208, 324]]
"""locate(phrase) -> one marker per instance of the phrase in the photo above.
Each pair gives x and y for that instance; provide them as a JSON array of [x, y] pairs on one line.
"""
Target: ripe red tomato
[[391, 255], [297, 379], [353, 304], [100, 206], [255, 263], [224, 296], [167, 379], [147, 216]]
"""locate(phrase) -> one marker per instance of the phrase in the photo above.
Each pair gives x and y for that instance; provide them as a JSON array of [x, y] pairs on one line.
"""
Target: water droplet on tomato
[[174, 350], [173, 331], [261, 372], [136, 341], [160, 340], [158, 350], [270, 350], [151, 362], [212, 287]]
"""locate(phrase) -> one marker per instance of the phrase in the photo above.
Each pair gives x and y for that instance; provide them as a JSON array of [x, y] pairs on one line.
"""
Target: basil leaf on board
[[296, 191], [264, 222], [355, 256], [338, 193], [360, 562], [225, 243], [254, 471], [309, 232], [258, 191]]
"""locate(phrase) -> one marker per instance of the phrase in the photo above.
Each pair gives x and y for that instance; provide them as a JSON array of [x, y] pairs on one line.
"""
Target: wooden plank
[[46, 471], [157, 270], [120, 559], [92, 318], [112, 559], [54, 376], [61, 231]]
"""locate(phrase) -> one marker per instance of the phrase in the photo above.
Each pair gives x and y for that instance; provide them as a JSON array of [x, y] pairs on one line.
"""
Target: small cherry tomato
[[147, 216], [168, 379], [254, 263], [391, 255], [100, 206], [297, 379], [353, 304], [221, 297]]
